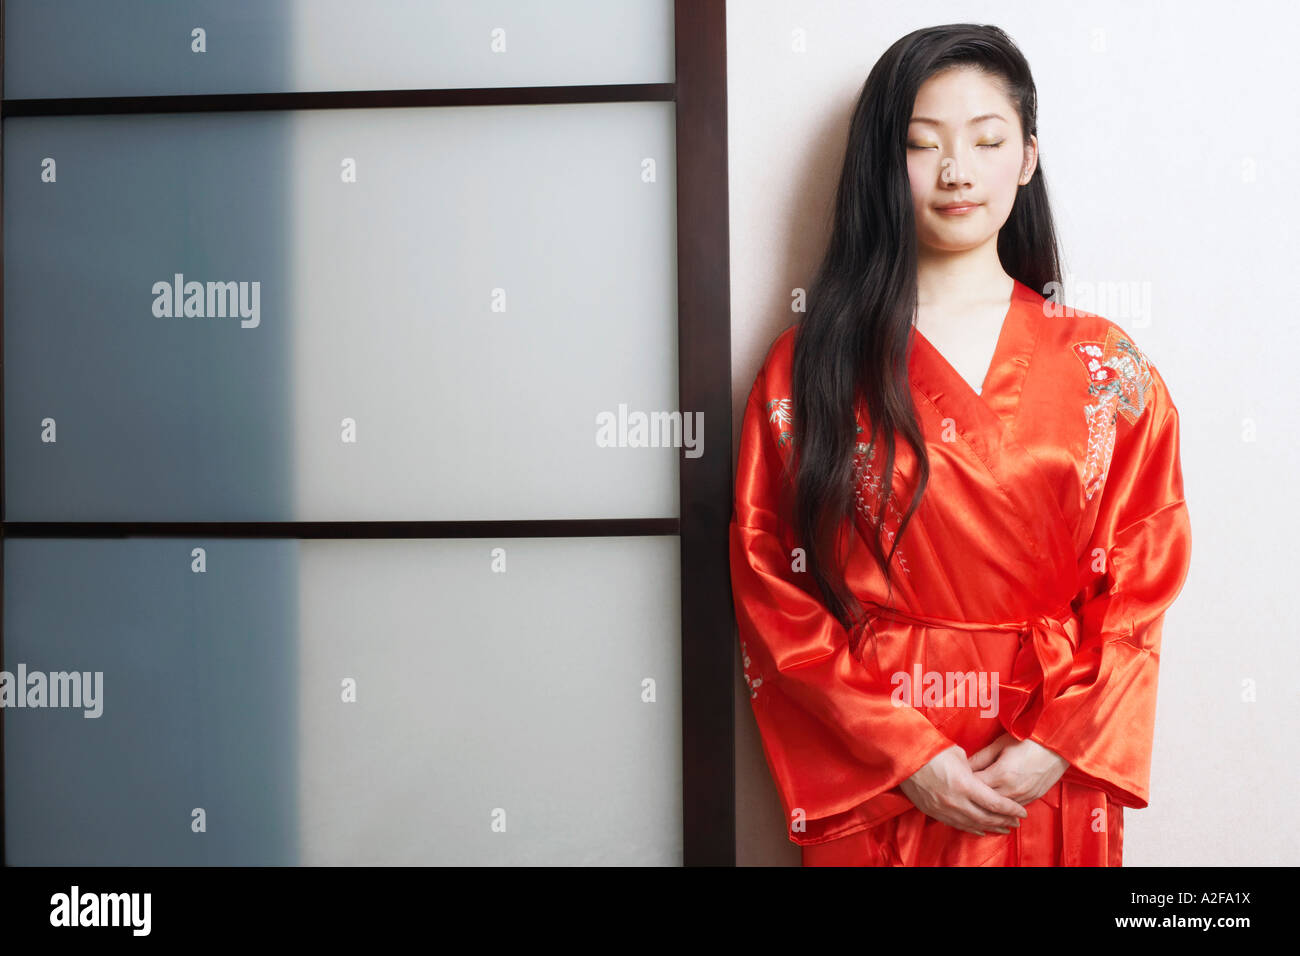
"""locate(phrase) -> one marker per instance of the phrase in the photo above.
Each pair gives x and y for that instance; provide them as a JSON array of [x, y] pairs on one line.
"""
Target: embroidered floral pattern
[[1120, 376], [755, 683], [779, 414], [869, 486], [868, 483]]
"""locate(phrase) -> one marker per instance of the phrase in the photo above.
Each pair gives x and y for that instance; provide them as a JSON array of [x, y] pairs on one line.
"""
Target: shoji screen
[[346, 439]]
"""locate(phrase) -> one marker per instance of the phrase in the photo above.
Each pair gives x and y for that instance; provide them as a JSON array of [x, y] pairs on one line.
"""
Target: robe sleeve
[[832, 737], [1102, 718]]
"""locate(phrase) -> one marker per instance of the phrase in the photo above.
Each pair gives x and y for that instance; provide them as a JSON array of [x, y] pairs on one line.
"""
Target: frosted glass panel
[[498, 710], [403, 314], [59, 48]]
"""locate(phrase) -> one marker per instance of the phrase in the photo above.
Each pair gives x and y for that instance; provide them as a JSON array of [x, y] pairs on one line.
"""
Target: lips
[[957, 205]]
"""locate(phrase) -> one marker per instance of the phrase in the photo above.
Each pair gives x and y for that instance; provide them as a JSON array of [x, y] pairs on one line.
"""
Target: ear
[[1031, 161]]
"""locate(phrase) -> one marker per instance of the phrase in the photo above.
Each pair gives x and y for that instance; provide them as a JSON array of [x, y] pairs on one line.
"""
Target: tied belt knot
[[1048, 641]]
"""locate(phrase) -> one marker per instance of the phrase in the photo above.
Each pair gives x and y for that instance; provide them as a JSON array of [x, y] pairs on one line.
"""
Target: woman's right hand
[[947, 789]]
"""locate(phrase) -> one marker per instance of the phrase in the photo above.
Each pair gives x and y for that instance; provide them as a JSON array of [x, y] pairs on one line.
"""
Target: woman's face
[[965, 145]]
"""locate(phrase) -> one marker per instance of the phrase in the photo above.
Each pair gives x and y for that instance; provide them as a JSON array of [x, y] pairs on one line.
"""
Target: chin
[[958, 234], [952, 243]]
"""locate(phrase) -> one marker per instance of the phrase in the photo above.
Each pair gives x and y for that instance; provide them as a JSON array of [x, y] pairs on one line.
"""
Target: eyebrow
[[935, 122]]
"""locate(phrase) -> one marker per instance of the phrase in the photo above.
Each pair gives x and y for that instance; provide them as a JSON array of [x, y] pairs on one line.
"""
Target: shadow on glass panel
[[177, 746]]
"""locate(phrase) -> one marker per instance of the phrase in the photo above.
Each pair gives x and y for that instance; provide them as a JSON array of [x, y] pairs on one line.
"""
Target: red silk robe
[[1050, 540]]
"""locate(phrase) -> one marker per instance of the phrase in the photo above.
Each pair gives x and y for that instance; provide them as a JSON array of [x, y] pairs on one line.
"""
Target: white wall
[[1168, 134]]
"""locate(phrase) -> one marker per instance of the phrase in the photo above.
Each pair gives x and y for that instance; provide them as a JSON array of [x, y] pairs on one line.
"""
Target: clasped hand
[[988, 791]]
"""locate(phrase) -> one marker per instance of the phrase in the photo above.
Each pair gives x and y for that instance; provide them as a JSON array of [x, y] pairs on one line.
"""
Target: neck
[[946, 279]]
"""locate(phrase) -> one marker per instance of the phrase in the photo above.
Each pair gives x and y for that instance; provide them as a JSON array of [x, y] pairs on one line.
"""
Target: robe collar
[[1000, 391], [984, 426]]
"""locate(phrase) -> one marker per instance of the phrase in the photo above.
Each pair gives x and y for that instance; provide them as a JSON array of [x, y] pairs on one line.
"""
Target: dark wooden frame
[[704, 350]]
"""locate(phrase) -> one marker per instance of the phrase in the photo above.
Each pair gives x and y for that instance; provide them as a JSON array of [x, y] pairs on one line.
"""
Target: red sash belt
[[1047, 647]]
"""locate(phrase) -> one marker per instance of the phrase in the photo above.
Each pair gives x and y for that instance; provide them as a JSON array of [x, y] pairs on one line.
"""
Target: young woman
[[959, 514]]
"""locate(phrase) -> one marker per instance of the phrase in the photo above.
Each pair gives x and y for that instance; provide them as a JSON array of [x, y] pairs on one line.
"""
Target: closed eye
[[981, 145]]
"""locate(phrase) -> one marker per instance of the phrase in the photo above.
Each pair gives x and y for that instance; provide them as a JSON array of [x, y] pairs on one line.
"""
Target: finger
[[992, 821], [1001, 825], [1000, 788], [989, 799], [1006, 819], [989, 819], [983, 758], [981, 824]]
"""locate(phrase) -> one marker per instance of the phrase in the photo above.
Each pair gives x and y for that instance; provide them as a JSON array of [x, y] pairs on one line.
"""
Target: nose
[[952, 173]]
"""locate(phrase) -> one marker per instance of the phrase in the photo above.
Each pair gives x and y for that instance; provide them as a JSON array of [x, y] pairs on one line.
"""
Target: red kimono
[[1028, 597]]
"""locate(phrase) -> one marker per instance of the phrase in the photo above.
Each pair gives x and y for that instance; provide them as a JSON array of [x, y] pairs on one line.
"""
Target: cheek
[[920, 178], [1004, 176], [1001, 183]]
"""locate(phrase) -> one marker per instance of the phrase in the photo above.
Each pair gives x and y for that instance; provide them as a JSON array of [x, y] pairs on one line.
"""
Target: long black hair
[[853, 343]]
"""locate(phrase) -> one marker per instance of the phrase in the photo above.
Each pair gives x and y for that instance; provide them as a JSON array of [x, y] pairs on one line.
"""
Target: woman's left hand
[[1021, 770]]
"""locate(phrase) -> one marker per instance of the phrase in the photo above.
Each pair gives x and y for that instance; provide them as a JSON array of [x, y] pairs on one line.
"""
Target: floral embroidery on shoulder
[[1119, 375], [779, 414]]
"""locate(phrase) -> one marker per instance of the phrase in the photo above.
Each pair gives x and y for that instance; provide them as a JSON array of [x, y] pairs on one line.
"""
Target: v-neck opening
[[986, 421], [1018, 289]]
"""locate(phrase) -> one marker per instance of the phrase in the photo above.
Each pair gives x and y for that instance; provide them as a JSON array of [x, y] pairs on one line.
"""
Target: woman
[[955, 664]]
